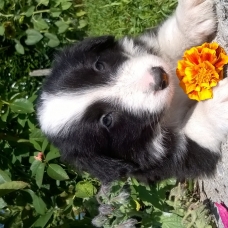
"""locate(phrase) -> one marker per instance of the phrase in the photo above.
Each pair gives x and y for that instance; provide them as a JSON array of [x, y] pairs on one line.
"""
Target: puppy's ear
[[97, 43], [106, 169]]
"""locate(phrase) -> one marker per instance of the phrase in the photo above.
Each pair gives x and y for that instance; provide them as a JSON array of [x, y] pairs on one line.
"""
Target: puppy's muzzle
[[160, 78]]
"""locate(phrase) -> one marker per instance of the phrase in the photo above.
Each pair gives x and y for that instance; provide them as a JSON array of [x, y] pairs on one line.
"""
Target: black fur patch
[[90, 63], [93, 147]]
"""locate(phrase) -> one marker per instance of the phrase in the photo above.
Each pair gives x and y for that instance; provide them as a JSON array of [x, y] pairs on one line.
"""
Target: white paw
[[208, 122], [216, 109], [196, 19]]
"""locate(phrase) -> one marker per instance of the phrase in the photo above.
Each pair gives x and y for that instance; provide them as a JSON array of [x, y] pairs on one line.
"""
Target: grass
[[126, 17]]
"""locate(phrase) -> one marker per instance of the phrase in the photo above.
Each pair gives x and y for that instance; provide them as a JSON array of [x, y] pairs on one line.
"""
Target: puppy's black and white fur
[[114, 107]]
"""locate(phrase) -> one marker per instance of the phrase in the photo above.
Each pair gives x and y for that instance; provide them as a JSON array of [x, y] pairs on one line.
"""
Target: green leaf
[[57, 172], [44, 145], [5, 115], [2, 30], [19, 48], [52, 155], [167, 182], [53, 40], [40, 174], [62, 26], [31, 124], [85, 189], [2, 3], [169, 220], [33, 97], [36, 145], [39, 204], [36, 135], [55, 12], [80, 13], [43, 2], [149, 197], [82, 24], [1, 104], [34, 166], [21, 106], [4, 177], [2, 203], [11, 186], [58, 2], [134, 181], [40, 24], [33, 37], [22, 120], [30, 11], [36, 138], [66, 5], [43, 220]]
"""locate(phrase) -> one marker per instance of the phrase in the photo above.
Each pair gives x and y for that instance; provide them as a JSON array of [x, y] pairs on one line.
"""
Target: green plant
[[42, 23], [186, 204], [29, 32], [163, 204]]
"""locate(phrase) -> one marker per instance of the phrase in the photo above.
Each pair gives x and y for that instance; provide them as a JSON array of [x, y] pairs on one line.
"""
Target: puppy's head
[[102, 104]]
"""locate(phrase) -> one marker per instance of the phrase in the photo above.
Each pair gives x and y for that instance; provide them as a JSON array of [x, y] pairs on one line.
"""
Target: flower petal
[[222, 60], [190, 88], [192, 56], [209, 55], [194, 96], [205, 94]]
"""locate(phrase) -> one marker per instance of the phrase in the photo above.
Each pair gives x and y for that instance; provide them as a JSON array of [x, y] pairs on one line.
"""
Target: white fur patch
[[137, 95], [208, 124], [129, 47], [157, 146], [192, 23], [58, 112], [150, 41]]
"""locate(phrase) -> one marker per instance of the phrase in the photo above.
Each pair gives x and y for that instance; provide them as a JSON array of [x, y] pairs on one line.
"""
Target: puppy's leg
[[208, 123], [193, 22]]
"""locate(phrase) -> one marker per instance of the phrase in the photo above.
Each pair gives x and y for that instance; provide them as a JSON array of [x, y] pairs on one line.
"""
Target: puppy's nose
[[160, 78]]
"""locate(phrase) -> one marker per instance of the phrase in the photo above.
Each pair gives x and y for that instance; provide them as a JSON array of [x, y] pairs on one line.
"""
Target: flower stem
[[6, 15], [5, 102]]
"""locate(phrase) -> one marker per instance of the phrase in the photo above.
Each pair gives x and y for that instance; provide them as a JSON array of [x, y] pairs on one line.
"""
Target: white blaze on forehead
[[127, 91]]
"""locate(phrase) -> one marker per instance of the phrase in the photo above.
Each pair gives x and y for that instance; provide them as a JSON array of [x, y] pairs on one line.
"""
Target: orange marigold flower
[[201, 69]]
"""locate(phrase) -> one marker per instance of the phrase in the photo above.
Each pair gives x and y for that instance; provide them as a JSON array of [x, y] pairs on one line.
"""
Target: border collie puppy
[[114, 107]]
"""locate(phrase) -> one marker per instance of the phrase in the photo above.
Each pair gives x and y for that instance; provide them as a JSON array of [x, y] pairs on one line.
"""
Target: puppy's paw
[[208, 121], [197, 20], [216, 109]]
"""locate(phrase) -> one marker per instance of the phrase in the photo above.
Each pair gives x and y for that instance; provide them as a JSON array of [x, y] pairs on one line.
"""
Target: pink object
[[223, 213]]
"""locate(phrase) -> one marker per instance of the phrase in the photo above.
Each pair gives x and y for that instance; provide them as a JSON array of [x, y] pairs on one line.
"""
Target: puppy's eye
[[99, 66], [107, 120]]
